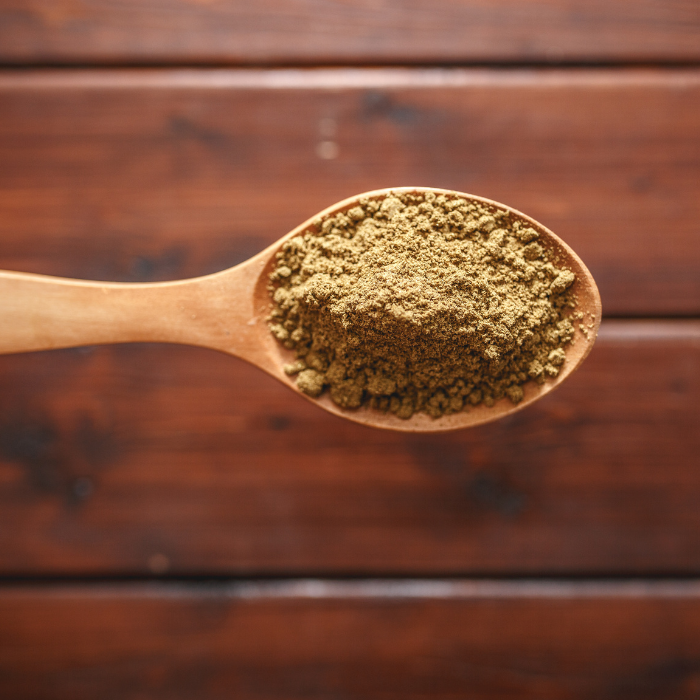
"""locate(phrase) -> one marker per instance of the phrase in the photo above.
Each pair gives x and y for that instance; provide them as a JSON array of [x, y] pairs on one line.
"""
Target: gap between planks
[[644, 329], [342, 78], [324, 589]]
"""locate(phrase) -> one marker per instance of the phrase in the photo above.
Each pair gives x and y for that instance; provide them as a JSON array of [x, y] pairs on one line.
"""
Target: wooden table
[[174, 524]]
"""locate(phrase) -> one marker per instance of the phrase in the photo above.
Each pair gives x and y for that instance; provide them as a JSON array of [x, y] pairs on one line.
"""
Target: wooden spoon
[[227, 311]]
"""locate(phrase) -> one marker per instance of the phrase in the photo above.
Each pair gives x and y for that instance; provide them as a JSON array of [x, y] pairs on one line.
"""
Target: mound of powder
[[418, 302]]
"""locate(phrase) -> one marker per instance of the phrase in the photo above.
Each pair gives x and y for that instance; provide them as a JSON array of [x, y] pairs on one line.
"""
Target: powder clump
[[421, 302]]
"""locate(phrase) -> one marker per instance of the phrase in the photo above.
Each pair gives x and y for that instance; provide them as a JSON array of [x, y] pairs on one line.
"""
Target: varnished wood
[[139, 176], [128, 459], [405, 640], [304, 32], [157, 459], [227, 311]]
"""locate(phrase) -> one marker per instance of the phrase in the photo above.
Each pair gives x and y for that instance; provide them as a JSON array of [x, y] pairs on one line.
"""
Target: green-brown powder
[[418, 302]]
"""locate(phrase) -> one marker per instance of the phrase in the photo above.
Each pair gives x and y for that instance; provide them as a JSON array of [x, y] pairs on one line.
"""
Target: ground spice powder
[[421, 302]]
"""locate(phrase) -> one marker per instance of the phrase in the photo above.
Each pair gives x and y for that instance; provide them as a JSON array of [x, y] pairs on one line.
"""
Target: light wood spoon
[[227, 311]]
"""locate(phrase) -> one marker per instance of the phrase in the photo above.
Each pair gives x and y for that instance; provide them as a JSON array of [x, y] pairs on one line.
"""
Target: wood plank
[[146, 458], [354, 31], [362, 640], [160, 174]]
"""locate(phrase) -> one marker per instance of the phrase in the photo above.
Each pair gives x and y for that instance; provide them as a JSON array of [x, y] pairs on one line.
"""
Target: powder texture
[[421, 302]]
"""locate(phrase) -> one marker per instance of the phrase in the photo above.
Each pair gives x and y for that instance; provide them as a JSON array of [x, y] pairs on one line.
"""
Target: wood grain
[[354, 31], [164, 462], [140, 176], [141, 458], [362, 640]]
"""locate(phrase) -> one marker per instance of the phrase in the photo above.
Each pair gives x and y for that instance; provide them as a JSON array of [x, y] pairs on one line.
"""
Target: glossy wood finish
[[137, 177], [123, 460], [353, 31], [405, 640], [151, 460]]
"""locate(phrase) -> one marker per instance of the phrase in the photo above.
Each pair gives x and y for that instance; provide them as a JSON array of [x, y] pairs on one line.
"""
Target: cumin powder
[[421, 302]]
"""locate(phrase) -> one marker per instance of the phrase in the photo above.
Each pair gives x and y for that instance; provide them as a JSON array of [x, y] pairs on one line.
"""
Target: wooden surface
[[405, 640], [352, 31], [160, 175], [113, 458], [145, 490]]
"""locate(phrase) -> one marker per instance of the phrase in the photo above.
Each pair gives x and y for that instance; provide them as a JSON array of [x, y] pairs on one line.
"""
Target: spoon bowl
[[228, 310]]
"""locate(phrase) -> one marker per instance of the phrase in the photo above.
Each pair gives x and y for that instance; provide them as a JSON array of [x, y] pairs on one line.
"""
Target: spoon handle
[[38, 312]]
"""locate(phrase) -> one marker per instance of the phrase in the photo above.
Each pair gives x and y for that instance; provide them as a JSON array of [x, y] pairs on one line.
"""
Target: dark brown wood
[[153, 460], [147, 458], [405, 640], [158, 175], [355, 31]]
